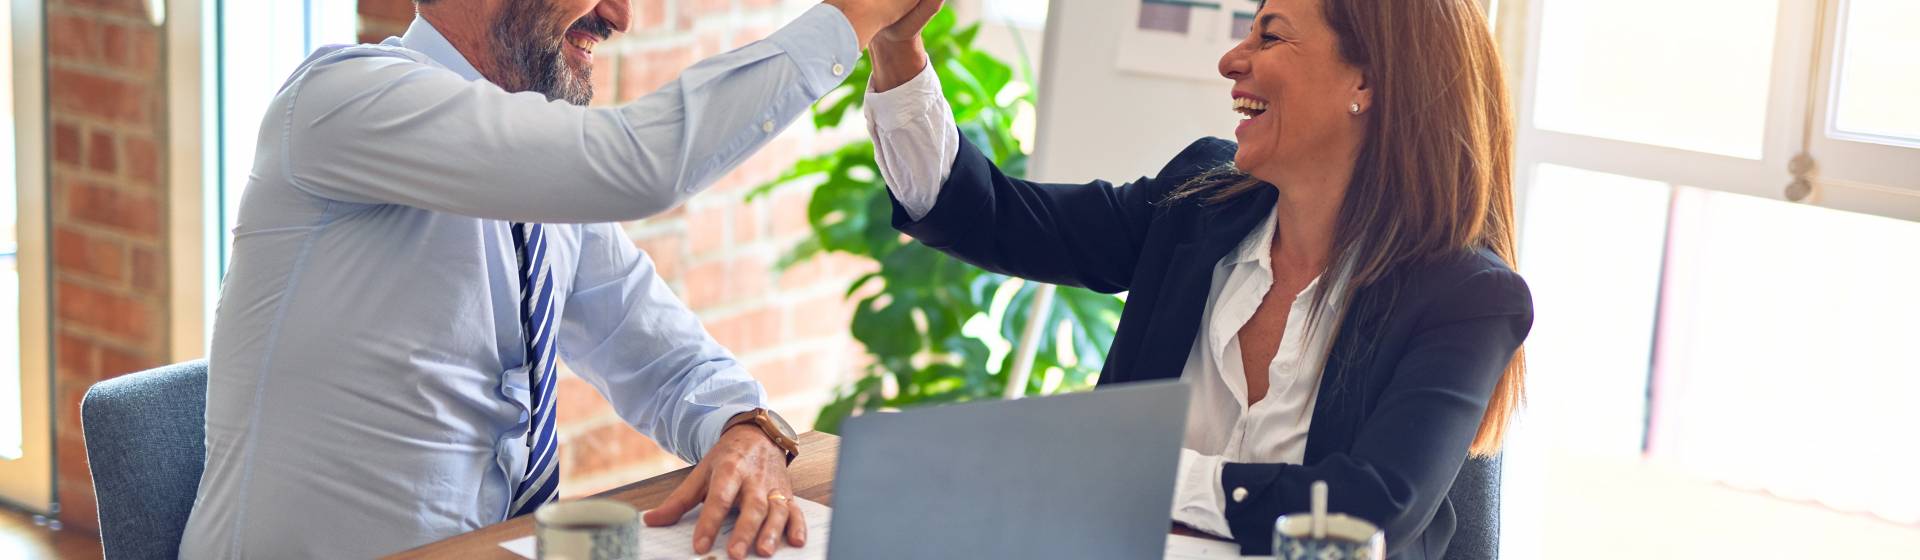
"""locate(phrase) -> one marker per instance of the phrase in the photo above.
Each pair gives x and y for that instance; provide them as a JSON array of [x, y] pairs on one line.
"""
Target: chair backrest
[[1476, 506], [146, 444]]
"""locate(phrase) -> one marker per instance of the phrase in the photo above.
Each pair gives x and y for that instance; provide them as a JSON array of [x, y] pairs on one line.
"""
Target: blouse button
[[1239, 494]]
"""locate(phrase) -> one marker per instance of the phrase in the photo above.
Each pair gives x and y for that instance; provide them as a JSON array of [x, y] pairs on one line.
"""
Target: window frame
[[28, 482]]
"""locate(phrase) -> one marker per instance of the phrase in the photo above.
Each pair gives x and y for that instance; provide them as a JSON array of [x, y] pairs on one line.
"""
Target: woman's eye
[[1270, 38]]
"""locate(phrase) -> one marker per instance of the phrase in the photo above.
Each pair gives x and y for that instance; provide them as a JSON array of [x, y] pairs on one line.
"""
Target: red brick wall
[[106, 111], [718, 251]]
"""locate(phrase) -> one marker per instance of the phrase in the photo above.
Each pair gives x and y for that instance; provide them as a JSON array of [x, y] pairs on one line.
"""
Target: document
[[1181, 547], [675, 542]]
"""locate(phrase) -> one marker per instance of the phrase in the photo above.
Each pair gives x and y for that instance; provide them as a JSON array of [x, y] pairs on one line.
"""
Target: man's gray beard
[[531, 60]]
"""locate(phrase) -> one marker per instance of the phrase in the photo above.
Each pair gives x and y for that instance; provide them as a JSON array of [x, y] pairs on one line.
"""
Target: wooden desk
[[812, 479]]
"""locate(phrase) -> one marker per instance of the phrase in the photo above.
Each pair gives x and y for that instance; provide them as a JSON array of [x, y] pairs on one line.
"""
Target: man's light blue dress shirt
[[369, 389]]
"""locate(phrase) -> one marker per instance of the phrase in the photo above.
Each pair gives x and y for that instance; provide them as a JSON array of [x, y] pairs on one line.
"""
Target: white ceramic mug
[[587, 530]]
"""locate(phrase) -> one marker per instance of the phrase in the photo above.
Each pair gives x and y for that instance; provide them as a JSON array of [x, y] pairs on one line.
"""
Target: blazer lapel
[[1182, 300]]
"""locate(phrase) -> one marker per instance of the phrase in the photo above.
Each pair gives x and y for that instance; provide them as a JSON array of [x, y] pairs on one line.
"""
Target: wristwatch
[[773, 425]]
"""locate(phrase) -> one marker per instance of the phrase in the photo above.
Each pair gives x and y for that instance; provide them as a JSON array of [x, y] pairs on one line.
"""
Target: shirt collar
[[1258, 245], [423, 38]]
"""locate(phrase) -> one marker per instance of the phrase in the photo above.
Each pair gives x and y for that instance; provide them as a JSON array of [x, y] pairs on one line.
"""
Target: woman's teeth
[[1249, 107]]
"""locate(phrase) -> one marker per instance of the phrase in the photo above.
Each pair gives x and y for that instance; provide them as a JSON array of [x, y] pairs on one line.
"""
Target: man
[[427, 231]]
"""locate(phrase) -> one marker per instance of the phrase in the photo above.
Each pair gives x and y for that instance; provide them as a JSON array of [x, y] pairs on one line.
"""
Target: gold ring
[[777, 497]]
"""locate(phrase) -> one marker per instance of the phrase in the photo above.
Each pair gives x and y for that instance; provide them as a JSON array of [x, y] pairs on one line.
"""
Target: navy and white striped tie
[[536, 316]]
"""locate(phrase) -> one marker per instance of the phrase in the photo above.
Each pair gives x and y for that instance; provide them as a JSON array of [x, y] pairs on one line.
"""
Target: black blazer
[[1406, 382]]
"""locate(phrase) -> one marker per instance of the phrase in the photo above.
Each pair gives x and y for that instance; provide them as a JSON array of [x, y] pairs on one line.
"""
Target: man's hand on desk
[[745, 470]]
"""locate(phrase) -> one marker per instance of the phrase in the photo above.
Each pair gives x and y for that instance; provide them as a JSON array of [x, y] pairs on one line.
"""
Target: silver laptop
[[1085, 475]]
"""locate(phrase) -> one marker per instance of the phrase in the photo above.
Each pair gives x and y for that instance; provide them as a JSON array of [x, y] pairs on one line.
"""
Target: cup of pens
[[1317, 535]]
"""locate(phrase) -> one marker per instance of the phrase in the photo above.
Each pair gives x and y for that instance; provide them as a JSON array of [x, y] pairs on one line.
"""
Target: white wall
[[1099, 122]]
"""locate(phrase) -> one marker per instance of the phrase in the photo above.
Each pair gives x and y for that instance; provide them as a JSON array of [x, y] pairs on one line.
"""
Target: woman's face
[[1295, 92]]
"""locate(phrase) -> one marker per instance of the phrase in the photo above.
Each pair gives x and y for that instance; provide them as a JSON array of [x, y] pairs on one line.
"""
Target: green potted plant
[[938, 329]]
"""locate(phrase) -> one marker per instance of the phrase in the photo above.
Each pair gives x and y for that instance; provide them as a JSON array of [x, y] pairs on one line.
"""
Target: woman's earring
[[1354, 108]]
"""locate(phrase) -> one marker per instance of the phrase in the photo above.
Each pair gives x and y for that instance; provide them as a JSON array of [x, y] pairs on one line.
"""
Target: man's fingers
[[720, 498], [796, 525], [769, 533], [682, 499], [753, 513]]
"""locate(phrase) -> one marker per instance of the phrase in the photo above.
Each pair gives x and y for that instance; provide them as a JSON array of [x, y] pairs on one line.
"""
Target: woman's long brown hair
[[1435, 172]]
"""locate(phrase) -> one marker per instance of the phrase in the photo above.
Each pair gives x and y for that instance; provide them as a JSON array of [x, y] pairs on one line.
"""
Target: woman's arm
[[952, 198], [1408, 450], [1087, 235]]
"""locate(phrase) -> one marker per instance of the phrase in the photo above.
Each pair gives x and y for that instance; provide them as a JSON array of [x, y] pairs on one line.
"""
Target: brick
[[747, 223], [607, 449], [749, 277], [103, 154], [826, 315], [148, 276], [99, 257], [111, 313], [752, 33], [703, 8], [706, 284], [578, 403], [99, 96], [390, 10], [134, 8], [648, 14], [804, 275], [131, 47], [66, 143], [751, 331], [143, 159], [71, 37], [115, 362], [74, 355], [707, 230], [642, 72], [77, 508], [801, 374], [668, 252], [787, 213], [137, 214], [711, 42]]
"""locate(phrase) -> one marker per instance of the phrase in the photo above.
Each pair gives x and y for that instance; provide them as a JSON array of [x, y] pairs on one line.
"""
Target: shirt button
[[1239, 494], [766, 126], [839, 69]]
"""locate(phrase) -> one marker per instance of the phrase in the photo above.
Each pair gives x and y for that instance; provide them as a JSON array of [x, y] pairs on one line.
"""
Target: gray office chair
[[146, 444], [1476, 509]]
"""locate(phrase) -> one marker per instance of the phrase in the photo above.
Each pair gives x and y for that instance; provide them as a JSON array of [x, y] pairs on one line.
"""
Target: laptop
[[1084, 475]]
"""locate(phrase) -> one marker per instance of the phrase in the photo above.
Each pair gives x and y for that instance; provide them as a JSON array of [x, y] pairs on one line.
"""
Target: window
[[1709, 342], [228, 60], [259, 45], [26, 450]]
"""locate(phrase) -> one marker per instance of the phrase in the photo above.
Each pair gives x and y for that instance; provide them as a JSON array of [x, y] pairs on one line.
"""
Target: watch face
[[781, 423]]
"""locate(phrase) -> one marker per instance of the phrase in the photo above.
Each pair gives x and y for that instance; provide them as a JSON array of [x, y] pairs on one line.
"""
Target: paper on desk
[[1182, 547], [675, 542]]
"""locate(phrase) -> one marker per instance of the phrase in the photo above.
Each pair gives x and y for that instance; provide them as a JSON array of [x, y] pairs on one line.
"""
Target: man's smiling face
[[546, 46]]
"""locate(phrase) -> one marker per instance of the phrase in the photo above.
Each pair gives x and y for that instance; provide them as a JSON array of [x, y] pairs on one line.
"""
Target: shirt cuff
[[915, 140], [904, 104], [822, 43], [708, 433], [1198, 501]]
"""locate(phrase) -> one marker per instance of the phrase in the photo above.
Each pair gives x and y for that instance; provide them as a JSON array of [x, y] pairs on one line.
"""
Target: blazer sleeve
[[1409, 448], [1087, 235]]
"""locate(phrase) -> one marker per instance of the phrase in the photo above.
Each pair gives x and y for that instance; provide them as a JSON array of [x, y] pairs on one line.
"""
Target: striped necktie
[[542, 481]]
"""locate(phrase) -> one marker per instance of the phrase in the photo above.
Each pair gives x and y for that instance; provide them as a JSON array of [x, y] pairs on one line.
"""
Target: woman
[[1337, 288]]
